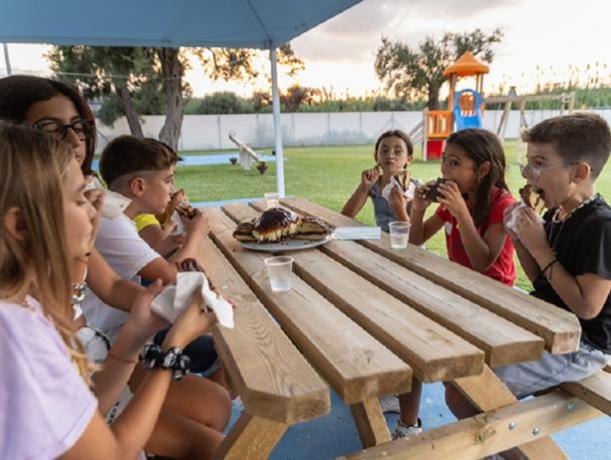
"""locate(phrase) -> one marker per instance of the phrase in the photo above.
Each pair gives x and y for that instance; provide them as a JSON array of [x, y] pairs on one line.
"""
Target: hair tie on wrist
[[154, 358], [548, 266]]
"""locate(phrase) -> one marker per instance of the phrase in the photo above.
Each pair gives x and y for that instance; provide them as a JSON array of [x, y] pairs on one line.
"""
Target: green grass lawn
[[328, 176]]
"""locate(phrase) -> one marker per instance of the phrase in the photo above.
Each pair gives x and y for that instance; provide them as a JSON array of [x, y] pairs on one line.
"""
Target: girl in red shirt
[[471, 200]]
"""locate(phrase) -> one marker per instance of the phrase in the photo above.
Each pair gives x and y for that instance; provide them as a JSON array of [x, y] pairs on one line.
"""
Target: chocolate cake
[[275, 224], [311, 228], [243, 232]]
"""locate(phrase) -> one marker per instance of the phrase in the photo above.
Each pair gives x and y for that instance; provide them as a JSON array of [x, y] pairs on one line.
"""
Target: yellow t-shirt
[[144, 220]]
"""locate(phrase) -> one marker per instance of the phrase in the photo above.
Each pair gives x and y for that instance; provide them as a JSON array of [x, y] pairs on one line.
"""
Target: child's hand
[[96, 198], [369, 177], [398, 203], [506, 217], [198, 224], [530, 231], [142, 322], [451, 199], [169, 245], [191, 323], [420, 203], [168, 228]]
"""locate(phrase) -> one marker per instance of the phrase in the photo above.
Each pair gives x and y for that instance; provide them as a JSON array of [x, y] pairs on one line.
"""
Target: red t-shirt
[[503, 269]]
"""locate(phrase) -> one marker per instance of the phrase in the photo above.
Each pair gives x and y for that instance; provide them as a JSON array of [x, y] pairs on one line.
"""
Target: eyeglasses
[[82, 128], [529, 171]]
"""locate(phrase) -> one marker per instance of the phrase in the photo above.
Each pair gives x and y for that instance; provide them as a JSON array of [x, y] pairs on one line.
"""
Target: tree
[[111, 75], [413, 72], [296, 95], [120, 77]]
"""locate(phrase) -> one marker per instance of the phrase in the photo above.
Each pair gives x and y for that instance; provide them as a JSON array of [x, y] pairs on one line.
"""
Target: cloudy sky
[[340, 53]]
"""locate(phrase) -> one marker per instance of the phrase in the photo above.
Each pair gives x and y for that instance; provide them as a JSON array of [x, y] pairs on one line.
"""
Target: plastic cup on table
[[279, 269], [399, 234], [272, 200]]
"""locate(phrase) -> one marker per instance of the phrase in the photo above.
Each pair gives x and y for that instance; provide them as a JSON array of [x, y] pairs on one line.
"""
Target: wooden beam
[[370, 422], [596, 390], [486, 392], [489, 433], [251, 437]]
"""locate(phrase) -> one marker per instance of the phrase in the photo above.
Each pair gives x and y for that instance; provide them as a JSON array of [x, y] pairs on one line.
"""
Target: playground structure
[[248, 157], [466, 107]]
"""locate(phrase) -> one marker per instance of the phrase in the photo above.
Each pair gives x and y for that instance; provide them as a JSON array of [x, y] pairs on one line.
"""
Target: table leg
[[251, 437], [487, 392], [370, 422]]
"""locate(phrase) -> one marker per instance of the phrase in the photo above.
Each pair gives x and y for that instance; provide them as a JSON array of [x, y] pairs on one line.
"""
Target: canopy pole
[[277, 126], [9, 71]]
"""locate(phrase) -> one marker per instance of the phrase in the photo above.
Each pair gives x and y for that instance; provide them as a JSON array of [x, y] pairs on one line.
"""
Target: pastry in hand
[[175, 200], [432, 194], [532, 198]]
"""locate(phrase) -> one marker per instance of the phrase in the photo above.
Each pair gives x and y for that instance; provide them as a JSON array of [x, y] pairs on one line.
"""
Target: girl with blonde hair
[[48, 408]]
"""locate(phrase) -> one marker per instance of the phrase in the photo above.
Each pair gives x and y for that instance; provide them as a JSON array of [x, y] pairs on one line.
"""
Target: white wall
[[210, 132]]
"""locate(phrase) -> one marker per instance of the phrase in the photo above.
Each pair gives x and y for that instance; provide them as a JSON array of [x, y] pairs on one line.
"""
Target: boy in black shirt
[[568, 256]]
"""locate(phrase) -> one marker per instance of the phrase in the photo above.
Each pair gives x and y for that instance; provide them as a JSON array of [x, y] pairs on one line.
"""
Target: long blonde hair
[[31, 168]]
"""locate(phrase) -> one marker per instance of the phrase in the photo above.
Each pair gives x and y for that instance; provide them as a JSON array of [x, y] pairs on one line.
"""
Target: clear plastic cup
[[399, 234], [279, 269], [272, 200]]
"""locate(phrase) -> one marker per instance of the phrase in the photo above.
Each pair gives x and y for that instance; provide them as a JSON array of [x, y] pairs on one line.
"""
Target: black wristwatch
[[153, 357]]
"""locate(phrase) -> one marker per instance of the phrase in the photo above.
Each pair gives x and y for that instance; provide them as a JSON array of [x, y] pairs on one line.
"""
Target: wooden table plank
[[503, 342], [320, 330], [559, 328], [273, 379], [431, 350]]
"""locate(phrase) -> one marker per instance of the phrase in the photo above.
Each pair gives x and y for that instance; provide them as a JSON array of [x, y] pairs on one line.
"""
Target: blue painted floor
[[335, 434], [205, 160]]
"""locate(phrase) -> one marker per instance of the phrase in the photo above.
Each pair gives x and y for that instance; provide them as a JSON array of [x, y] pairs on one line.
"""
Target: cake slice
[[311, 228]]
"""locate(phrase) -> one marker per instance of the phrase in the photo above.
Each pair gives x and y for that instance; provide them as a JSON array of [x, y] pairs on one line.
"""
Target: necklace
[[556, 217], [557, 220]]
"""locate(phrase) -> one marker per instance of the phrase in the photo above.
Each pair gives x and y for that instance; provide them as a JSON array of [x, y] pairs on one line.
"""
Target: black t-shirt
[[583, 245]]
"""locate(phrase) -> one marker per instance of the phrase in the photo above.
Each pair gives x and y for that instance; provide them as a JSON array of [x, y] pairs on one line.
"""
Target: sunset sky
[[340, 53]]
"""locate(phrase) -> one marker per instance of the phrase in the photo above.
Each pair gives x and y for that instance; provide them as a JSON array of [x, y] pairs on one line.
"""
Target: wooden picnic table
[[364, 319]]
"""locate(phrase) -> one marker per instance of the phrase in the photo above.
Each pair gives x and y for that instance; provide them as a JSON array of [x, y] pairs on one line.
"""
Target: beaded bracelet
[[153, 357]]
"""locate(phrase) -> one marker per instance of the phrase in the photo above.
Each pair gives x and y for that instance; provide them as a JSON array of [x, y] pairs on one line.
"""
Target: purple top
[[45, 406]]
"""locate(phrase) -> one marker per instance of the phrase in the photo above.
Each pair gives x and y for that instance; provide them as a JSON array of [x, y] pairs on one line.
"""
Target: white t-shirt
[[127, 253], [45, 405]]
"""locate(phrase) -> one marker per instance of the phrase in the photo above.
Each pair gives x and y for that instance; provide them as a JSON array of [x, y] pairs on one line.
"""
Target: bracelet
[[153, 357], [548, 266], [121, 360]]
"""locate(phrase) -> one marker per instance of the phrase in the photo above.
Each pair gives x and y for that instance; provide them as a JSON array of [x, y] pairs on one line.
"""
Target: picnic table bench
[[365, 319]]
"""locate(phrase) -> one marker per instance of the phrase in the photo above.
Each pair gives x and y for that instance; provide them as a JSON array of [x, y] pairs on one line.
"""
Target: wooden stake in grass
[[262, 167]]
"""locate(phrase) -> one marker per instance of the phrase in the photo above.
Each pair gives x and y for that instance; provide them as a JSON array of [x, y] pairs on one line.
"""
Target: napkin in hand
[[513, 217], [174, 299], [114, 203], [409, 193]]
